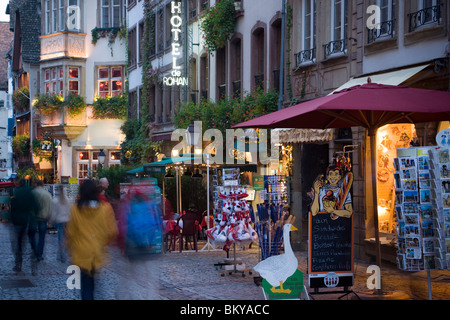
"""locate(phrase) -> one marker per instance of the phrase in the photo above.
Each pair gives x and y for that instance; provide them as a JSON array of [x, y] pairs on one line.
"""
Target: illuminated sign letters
[[175, 78]]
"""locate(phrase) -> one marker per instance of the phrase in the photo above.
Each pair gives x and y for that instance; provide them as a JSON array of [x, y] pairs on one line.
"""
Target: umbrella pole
[[372, 136]]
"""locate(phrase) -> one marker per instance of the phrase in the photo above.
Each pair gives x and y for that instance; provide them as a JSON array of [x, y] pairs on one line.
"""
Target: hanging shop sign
[[330, 230], [175, 78]]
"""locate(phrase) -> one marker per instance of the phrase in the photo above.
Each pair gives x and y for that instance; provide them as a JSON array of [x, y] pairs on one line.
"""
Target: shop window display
[[389, 139]]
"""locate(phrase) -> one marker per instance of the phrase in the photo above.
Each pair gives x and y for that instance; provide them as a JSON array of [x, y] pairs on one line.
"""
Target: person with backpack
[[140, 239], [90, 229]]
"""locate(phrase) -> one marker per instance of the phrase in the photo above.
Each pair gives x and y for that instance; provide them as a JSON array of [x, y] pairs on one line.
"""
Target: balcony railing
[[334, 47], [304, 56], [385, 30], [259, 81], [425, 16], [222, 91], [204, 94], [237, 89]]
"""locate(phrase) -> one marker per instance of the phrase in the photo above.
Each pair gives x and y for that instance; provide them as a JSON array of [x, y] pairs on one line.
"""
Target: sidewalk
[[190, 276]]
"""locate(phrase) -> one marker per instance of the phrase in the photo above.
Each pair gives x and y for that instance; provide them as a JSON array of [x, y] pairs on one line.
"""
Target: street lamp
[[101, 157]]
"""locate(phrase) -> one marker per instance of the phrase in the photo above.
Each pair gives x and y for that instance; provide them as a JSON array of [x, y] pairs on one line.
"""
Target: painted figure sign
[[330, 229]]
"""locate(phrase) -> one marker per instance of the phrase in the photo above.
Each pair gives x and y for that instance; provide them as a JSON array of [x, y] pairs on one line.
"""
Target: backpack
[[143, 227]]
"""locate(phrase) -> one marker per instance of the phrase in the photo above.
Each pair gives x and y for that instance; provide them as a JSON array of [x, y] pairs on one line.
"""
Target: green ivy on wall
[[218, 24]]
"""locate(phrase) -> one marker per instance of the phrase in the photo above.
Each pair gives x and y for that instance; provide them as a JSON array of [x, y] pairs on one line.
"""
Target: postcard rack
[[422, 208]]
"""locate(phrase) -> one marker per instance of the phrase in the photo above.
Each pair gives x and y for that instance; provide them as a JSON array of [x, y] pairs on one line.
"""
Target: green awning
[[137, 170]]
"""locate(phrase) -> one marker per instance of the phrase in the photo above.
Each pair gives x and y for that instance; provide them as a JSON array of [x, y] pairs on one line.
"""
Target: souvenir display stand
[[232, 221], [423, 209], [271, 216]]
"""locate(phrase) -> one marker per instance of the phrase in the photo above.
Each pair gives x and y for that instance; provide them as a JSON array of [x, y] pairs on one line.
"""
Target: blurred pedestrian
[[59, 217], [23, 207], [39, 223], [103, 185], [90, 229], [140, 238]]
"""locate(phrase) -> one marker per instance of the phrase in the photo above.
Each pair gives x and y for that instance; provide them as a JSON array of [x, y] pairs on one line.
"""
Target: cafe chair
[[189, 233]]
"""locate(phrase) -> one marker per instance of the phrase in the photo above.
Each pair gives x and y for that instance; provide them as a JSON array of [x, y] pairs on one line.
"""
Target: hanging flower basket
[[21, 100], [218, 24]]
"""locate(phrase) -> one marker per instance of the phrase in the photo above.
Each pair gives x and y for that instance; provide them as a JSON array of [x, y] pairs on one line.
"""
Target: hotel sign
[[175, 78]]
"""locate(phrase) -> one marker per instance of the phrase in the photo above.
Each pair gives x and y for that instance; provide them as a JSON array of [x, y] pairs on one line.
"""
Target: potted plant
[[218, 24]]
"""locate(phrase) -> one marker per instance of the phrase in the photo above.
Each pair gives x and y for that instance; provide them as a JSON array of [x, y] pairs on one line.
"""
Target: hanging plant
[[218, 24], [74, 104], [110, 107], [21, 99], [48, 104], [21, 145]]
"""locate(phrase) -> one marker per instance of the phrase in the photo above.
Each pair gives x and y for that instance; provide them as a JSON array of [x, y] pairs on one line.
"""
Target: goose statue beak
[[293, 228]]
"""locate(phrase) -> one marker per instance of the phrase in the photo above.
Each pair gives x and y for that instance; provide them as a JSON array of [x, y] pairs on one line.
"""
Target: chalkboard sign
[[330, 250]]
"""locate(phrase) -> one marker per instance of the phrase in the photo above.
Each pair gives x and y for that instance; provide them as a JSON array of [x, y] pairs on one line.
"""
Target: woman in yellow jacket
[[91, 228]]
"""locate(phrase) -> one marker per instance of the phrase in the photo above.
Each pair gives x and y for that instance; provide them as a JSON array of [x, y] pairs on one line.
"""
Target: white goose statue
[[276, 269]]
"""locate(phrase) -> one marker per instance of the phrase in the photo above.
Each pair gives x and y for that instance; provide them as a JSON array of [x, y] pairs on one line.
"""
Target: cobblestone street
[[188, 276]]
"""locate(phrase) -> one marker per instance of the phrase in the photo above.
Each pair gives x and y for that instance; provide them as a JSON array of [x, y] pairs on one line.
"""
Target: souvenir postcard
[[412, 219], [443, 156], [408, 162], [412, 230], [444, 171], [425, 196], [408, 173], [445, 186], [428, 245], [410, 196], [410, 208], [446, 200], [413, 253], [427, 229], [424, 180], [426, 211], [447, 229], [423, 163], [409, 184]]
